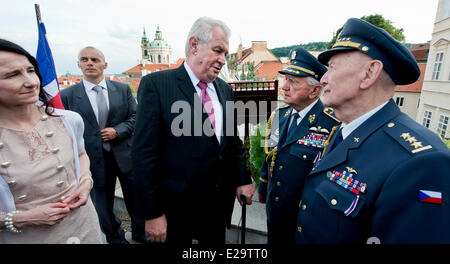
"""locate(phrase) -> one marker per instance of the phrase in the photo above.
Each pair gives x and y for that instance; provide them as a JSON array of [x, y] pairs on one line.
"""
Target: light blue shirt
[[211, 90], [302, 113], [347, 129]]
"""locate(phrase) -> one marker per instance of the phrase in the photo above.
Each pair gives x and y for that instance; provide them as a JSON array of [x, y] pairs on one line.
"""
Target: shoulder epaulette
[[406, 137], [330, 113]]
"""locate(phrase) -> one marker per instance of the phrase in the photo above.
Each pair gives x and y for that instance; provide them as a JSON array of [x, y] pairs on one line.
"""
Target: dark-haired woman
[[44, 170]]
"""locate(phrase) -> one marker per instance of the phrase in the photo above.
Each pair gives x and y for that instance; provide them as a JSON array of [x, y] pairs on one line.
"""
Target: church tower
[[157, 51], [144, 44]]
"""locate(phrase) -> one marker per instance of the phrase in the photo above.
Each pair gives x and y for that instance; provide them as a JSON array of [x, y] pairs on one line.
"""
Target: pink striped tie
[[207, 103]]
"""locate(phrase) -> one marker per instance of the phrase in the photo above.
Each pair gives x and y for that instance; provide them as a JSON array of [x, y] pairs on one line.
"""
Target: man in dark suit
[[298, 133], [383, 178], [108, 110], [189, 172]]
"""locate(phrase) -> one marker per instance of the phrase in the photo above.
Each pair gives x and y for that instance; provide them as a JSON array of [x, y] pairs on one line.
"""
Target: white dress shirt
[[92, 94], [211, 90]]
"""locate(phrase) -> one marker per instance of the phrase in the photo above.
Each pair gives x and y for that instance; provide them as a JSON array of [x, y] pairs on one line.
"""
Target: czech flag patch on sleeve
[[430, 197]]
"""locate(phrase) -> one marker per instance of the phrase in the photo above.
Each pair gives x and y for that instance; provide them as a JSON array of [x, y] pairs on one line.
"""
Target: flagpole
[[46, 64], [38, 13]]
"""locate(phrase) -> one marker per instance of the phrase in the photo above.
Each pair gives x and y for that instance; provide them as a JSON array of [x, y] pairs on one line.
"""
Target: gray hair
[[312, 81], [90, 47], [202, 29]]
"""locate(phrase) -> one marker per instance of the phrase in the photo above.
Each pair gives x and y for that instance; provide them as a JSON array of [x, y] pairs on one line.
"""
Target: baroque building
[[434, 106], [158, 51]]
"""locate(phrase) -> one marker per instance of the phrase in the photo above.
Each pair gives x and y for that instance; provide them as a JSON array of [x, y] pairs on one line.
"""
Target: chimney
[[259, 45]]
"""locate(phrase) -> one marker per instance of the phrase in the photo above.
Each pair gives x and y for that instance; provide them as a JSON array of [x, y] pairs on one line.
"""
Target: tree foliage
[[379, 21], [312, 46]]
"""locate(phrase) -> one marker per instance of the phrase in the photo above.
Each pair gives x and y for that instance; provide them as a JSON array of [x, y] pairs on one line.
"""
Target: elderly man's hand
[[247, 191]]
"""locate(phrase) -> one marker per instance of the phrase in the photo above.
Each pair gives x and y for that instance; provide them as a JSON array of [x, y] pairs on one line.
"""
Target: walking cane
[[243, 218]]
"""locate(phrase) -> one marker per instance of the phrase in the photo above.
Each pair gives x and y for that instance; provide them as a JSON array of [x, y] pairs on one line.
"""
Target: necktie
[[102, 112], [337, 139], [291, 129], [207, 103], [293, 125]]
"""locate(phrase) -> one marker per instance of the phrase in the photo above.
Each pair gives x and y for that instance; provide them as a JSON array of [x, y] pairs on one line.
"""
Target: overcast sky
[[115, 26]]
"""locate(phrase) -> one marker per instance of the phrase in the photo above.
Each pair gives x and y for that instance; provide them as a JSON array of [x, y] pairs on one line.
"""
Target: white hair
[[202, 29], [312, 81]]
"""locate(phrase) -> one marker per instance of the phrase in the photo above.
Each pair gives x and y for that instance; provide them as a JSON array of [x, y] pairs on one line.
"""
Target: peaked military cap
[[360, 35], [304, 64]]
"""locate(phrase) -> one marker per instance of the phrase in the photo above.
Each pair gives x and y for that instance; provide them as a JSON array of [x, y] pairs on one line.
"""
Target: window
[[442, 126], [159, 58], [399, 101], [426, 119], [437, 66]]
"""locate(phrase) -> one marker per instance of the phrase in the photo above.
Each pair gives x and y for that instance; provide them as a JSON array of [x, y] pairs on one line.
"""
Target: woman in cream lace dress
[[44, 170]]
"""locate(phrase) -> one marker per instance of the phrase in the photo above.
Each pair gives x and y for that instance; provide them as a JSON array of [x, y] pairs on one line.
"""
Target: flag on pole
[[46, 65]]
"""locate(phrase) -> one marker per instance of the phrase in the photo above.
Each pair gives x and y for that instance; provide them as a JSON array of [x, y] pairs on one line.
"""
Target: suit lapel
[[113, 97], [284, 117], [221, 95], [84, 105], [357, 137], [185, 85], [189, 92]]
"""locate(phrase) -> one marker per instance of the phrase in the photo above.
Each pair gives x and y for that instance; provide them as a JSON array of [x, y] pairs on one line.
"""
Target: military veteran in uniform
[[296, 135], [388, 180]]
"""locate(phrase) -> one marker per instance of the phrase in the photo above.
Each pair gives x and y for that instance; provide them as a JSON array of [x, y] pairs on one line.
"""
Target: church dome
[[158, 42]]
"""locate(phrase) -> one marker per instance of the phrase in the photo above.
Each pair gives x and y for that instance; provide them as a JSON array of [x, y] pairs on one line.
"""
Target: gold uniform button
[[333, 202], [278, 183], [281, 167], [304, 207], [304, 156], [277, 199], [299, 229], [391, 124]]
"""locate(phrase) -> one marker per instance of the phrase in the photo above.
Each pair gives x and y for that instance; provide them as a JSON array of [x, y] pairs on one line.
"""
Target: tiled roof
[[268, 69], [154, 67], [420, 52], [65, 82]]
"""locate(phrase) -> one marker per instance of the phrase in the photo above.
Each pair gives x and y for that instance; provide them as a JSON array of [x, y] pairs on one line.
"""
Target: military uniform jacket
[[283, 172], [373, 186]]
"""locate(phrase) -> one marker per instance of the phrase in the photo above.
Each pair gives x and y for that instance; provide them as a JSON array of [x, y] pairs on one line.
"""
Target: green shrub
[[256, 152]]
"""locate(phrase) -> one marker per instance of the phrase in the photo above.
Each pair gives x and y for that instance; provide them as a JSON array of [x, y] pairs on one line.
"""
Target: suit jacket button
[[278, 183], [277, 199], [220, 157], [333, 202]]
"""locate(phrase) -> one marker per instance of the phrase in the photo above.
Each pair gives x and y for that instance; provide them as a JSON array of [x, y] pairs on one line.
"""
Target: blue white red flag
[[430, 197], [47, 68]]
